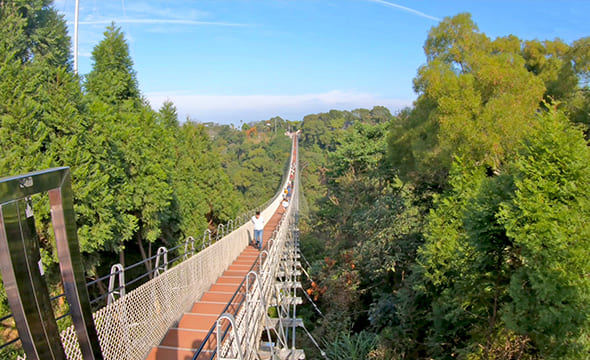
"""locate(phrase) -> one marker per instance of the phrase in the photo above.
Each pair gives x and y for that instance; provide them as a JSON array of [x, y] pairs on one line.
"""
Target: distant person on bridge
[[285, 203], [258, 222]]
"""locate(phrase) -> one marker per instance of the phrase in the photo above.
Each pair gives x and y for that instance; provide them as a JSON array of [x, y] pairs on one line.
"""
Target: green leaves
[[253, 161], [112, 78], [476, 100], [126, 160], [510, 251], [454, 39], [549, 221], [480, 249], [203, 191], [351, 346], [505, 251]]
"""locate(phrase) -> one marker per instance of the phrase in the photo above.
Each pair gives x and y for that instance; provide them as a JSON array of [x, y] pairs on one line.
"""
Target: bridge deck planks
[[180, 343]]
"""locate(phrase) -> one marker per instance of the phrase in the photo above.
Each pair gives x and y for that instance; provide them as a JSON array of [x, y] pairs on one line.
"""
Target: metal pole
[[76, 36]]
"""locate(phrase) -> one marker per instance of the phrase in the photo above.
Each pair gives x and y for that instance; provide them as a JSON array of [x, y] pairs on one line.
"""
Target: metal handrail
[[9, 343], [261, 298], [189, 240], [220, 232], [116, 269]]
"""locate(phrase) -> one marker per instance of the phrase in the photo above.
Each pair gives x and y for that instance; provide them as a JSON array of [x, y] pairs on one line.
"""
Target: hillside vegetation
[[458, 228]]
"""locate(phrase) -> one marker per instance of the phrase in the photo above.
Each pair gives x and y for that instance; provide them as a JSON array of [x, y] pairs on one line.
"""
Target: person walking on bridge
[[258, 222]]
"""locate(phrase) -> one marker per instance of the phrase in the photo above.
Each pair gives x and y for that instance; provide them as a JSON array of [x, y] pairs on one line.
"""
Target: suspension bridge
[[213, 304]]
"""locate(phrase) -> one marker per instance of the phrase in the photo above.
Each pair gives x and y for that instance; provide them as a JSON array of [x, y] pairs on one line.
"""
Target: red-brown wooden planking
[[181, 343], [203, 307]]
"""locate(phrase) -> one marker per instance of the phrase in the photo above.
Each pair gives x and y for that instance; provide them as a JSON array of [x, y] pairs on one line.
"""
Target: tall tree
[[42, 124], [112, 78], [505, 256], [168, 116], [138, 142], [203, 191], [548, 221], [474, 101]]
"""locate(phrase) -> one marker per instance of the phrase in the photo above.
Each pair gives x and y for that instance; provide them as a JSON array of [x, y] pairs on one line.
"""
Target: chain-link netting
[[129, 327]]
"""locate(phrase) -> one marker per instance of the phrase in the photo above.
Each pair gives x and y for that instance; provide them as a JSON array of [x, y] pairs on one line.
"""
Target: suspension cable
[[322, 352], [304, 258], [317, 309], [313, 303]]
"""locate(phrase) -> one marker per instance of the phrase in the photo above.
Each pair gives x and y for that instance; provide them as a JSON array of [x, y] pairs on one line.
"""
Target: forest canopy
[[457, 228]]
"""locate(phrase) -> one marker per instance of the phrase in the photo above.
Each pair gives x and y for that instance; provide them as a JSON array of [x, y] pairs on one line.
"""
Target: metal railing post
[[206, 239], [232, 321], [190, 240], [116, 269], [162, 252]]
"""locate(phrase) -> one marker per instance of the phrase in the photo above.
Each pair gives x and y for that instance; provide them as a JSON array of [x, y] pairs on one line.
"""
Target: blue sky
[[230, 61]]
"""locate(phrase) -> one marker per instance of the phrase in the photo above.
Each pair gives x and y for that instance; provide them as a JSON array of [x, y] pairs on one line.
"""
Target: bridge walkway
[[182, 341]]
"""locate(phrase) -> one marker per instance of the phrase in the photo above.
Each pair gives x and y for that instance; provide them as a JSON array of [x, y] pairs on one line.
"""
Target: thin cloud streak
[[159, 21], [416, 12]]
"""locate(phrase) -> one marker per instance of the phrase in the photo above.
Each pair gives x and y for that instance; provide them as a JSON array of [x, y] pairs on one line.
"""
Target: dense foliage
[[254, 157], [459, 228]]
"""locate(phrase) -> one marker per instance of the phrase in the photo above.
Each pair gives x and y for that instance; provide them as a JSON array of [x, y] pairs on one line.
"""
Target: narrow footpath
[[184, 340]]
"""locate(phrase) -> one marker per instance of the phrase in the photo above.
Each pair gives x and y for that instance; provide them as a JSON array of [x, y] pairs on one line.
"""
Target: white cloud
[[227, 109], [410, 10]]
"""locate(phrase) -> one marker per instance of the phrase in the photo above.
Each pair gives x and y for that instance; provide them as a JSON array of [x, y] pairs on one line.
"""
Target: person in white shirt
[[285, 204], [258, 222]]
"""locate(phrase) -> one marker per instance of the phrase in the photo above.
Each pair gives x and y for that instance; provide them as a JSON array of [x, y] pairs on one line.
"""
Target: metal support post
[[21, 266]]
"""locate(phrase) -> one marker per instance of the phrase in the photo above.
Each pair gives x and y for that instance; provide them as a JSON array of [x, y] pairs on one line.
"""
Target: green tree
[[42, 116], [364, 233], [564, 70], [548, 221], [168, 116], [205, 185], [112, 78], [505, 255], [254, 162], [139, 143], [474, 101], [352, 346], [41, 119]]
